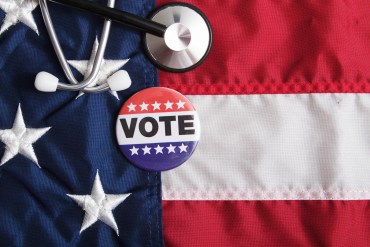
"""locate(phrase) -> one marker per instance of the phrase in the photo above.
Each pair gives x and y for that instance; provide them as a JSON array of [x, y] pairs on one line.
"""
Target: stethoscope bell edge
[[160, 64]]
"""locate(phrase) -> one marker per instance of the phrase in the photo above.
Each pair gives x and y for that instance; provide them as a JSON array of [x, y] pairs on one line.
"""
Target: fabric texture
[[270, 166], [277, 146], [34, 203], [266, 223], [269, 46], [18, 11]]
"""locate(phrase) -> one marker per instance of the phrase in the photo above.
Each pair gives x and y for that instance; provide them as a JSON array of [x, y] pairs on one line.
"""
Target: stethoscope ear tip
[[46, 82], [119, 81]]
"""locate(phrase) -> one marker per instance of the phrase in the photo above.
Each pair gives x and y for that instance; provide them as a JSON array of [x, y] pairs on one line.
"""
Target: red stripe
[[267, 46], [266, 223]]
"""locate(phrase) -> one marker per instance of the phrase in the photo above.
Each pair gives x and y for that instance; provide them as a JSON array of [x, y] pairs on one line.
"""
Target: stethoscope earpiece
[[46, 82], [119, 81], [178, 38]]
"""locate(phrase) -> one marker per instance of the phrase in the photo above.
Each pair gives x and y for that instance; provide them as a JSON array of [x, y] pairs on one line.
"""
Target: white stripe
[[275, 147]]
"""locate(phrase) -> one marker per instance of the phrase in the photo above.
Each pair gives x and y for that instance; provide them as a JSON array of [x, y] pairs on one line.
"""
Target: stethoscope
[[178, 38]]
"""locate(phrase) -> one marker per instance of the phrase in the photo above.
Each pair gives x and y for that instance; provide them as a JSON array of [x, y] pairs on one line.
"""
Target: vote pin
[[158, 129]]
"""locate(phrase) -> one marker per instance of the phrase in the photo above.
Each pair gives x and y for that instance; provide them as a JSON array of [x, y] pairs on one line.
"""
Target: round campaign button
[[158, 129]]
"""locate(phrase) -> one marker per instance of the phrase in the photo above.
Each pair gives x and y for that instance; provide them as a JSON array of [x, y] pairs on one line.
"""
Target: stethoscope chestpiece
[[178, 38], [187, 39]]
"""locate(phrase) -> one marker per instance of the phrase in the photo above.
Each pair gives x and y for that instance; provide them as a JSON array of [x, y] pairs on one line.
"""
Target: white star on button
[[18, 11], [183, 148], [99, 206], [19, 139], [180, 105], [134, 151], [144, 107], [171, 149], [146, 150], [156, 106], [131, 107], [107, 68], [159, 149], [168, 105]]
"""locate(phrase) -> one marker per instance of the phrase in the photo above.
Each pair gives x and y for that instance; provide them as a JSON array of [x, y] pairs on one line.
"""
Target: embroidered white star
[[144, 107], [134, 151], [180, 105], [99, 206], [146, 150], [171, 149], [183, 148], [18, 11], [108, 68], [156, 106], [131, 107], [19, 139], [168, 105], [159, 149]]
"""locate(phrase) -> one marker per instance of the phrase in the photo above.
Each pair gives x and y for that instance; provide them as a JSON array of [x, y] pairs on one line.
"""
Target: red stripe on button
[[266, 46], [266, 223]]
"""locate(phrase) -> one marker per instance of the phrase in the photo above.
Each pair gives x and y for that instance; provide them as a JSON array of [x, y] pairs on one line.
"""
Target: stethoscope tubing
[[171, 45], [92, 77], [123, 17]]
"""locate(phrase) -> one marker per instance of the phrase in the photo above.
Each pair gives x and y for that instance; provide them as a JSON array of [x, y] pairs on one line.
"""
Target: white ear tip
[[46, 82], [119, 81]]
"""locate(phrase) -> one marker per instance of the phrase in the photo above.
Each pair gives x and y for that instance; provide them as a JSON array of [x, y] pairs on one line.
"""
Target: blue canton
[[79, 163]]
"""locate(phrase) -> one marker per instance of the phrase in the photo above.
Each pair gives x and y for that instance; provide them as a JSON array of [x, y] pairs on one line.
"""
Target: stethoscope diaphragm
[[187, 39]]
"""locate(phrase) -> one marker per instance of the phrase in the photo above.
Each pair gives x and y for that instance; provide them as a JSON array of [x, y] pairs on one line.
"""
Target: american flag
[[63, 179], [284, 154]]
